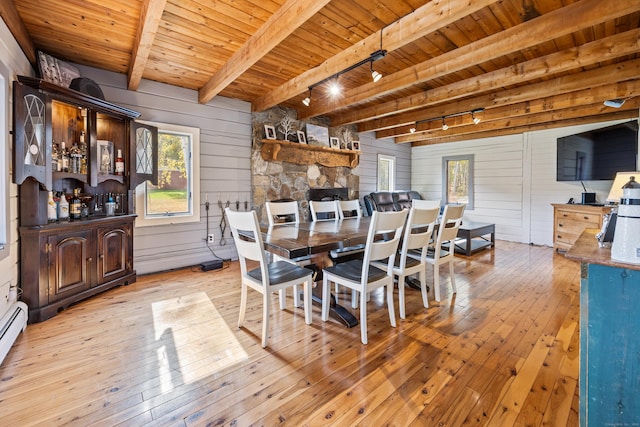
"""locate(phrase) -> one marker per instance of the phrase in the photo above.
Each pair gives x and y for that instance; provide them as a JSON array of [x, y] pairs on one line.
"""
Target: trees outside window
[[386, 173], [457, 180]]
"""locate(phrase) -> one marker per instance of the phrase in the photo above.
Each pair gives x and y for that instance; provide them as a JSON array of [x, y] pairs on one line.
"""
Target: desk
[[316, 239]]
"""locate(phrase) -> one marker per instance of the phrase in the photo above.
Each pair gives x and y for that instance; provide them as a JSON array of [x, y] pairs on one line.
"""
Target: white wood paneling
[[225, 169], [368, 168]]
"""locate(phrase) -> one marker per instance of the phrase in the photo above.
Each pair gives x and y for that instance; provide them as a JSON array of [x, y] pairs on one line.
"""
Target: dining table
[[315, 240]]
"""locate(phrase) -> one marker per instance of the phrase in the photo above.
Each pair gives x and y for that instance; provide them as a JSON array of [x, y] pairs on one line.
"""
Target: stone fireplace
[[273, 179]]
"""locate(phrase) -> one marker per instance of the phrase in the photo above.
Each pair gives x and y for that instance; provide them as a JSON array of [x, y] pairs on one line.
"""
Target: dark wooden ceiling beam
[[278, 27], [560, 22], [421, 22], [150, 15], [12, 19]]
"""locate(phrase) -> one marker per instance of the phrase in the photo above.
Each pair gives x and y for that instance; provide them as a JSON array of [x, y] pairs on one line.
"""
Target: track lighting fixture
[[475, 119], [335, 88], [444, 125], [412, 130], [615, 103]]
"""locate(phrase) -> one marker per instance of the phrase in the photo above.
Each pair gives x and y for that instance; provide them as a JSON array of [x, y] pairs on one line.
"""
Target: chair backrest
[[390, 225], [324, 210], [418, 231], [449, 224], [425, 204], [282, 213], [351, 207], [247, 248]]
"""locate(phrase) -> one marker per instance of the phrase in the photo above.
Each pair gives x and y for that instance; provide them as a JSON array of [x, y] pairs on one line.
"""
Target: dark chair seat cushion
[[280, 272], [352, 270]]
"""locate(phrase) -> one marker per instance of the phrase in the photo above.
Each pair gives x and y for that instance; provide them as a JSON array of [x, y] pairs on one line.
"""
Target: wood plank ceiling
[[528, 64]]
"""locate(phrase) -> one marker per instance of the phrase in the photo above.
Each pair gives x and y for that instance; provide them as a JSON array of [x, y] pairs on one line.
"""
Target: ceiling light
[[615, 103], [475, 119], [444, 125], [307, 100], [334, 88], [412, 130], [374, 74]]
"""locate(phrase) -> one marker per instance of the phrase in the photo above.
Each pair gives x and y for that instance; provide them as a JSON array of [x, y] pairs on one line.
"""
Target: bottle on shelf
[[75, 157], [55, 165], [63, 207], [75, 205], [83, 154], [52, 208], [64, 156], [119, 163]]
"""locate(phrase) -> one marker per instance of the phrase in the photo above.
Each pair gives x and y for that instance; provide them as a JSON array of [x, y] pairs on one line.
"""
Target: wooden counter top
[[586, 249]]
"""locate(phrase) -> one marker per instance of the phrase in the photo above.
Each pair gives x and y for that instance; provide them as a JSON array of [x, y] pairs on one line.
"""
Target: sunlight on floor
[[206, 345]]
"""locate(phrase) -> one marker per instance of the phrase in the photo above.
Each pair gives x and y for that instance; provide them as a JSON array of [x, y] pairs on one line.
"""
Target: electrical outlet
[[210, 238]]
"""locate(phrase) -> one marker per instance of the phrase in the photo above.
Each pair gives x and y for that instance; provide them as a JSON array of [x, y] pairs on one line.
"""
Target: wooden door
[[70, 260], [115, 252]]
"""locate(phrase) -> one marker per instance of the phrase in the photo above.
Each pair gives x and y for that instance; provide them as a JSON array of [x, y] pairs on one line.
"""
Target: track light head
[[444, 125], [376, 75], [306, 101], [412, 130], [615, 103], [475, 119]]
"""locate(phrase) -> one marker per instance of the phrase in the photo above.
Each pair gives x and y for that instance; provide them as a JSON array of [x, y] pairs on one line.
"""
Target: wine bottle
[[119, 163], [75, 205], [54, 157], [74, 155], [63, 207], [52, 208]]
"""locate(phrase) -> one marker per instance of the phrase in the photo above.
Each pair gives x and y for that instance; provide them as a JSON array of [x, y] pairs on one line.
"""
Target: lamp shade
[[615, 194]]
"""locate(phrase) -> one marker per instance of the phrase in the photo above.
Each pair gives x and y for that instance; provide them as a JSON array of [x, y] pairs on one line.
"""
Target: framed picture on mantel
[[317, 135]]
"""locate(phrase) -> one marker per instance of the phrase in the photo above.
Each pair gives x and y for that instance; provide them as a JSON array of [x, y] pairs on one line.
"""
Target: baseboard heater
[[12, 323]]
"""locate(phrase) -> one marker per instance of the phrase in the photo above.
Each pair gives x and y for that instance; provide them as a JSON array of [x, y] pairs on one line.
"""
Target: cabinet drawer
[[564, 237], [573, 226], [579, 216]]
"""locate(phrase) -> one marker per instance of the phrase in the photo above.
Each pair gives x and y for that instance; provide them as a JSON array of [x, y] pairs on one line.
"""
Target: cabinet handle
[[586, 217], [90, 259], [560, 225]]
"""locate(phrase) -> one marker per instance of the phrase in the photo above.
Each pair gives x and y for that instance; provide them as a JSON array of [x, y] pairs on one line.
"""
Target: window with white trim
[[457, 180], [175, 199], [386, 173]]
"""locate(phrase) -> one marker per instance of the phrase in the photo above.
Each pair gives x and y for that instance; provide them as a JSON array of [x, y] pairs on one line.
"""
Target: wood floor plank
[[166, 351]]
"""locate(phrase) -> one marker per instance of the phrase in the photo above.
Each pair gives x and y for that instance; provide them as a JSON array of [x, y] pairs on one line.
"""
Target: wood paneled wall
[[515, 181], [368, 168]]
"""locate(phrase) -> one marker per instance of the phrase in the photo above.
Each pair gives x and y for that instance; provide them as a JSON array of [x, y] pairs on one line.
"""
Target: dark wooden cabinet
[[64, 262]]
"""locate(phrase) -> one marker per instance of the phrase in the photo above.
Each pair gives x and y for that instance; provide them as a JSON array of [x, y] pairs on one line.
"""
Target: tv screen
[[598, 154]]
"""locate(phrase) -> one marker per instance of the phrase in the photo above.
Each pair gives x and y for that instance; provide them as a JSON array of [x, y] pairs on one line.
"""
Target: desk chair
[[405, 265], [447, 232], [328, 210], [268, 277], [362, 277]]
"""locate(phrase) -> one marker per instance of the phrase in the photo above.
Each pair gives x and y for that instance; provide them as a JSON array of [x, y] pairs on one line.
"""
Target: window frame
[[5, 202], [392, 172], [144, 220], [445, 178]]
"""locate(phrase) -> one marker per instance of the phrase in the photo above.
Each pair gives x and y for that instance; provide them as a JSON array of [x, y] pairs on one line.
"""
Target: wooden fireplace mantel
[[304, 154]]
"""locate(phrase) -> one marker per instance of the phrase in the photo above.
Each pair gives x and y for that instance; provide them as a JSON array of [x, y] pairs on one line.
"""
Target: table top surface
[[587, 250], [309, 238]]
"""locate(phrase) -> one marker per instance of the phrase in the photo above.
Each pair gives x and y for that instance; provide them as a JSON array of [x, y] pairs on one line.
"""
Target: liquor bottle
[[63, 207], [52, 208], [119, 163], [83, 154], [55, 165], [64, 155], [74, 155], [75, 205]]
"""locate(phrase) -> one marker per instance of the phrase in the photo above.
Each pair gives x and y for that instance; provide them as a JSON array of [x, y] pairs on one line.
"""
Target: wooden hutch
[[63, 262]]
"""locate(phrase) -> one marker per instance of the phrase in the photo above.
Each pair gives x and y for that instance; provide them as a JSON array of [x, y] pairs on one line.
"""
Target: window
[[4, 161], [386, 173], [457, 180], [176, 197]]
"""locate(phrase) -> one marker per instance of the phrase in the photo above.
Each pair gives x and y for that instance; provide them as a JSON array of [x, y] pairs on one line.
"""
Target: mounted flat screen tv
[[598, 154]]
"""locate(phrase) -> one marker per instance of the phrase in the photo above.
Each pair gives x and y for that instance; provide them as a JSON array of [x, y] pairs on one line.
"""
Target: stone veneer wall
[[282, 180]]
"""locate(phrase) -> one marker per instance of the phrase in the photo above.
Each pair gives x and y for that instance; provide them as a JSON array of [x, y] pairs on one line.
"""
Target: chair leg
[[400, 295], [325, 298], [296, 296], [363, 317], [307, 301], [265, 318], [282, 294], [354, 299], [390, 305], [243, 303], [436, 281], [423, 288], [453, 276]]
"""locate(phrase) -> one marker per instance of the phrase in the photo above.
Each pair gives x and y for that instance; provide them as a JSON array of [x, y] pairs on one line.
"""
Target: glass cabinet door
[[32, 136], [144, 154]]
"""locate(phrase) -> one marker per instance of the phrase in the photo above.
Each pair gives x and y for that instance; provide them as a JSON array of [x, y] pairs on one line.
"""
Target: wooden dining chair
[[349, 209], [417, 235], [444, 246], [267, 277], [282, 212], [425, 204], [324, 210], [362, 277]]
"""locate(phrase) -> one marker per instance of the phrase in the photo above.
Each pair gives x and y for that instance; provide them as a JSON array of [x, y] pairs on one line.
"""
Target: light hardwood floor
[[166, 351]]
